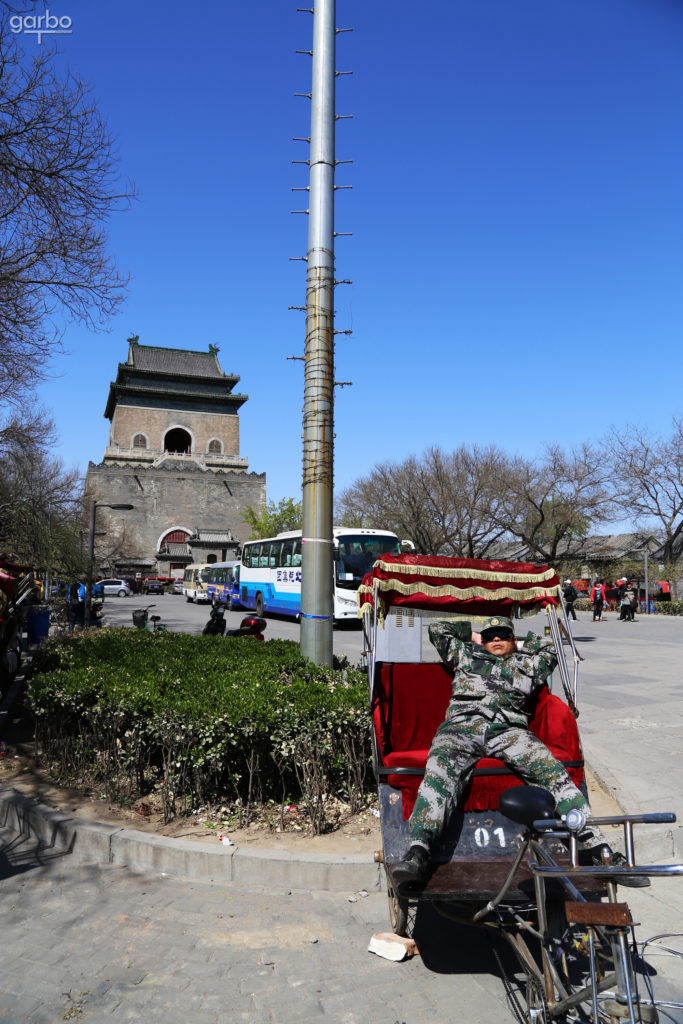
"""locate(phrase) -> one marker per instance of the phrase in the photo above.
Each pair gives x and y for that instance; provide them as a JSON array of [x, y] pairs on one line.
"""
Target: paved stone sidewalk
[[92, 942]]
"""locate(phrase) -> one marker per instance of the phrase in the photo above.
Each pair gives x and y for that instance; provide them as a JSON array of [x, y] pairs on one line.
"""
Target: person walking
[[598, 600], [570, 595], [628, 602], [76, 600]]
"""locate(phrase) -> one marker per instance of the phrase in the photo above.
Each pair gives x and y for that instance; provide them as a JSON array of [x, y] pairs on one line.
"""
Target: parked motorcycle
[[251, 625], [216, 624]]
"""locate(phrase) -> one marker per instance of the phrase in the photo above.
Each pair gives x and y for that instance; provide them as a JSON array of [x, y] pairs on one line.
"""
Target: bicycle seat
[[155, 618], [526, 804]]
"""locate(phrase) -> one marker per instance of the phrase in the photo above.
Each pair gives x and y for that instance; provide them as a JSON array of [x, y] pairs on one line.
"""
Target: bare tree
[[40, 501], [443, 502], [549, 502], [58, 187], [648, 476]]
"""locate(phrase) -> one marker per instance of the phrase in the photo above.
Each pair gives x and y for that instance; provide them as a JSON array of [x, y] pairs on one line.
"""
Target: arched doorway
[[178, 440]]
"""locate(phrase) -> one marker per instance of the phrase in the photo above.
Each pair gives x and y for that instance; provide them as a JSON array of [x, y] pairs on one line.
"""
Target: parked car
[[153, 585], [115, 587], [177, 587]]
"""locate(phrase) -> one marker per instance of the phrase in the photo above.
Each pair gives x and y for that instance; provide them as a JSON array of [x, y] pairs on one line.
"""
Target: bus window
[[251, 552], [275, 550], [286, 553], [296, 554]]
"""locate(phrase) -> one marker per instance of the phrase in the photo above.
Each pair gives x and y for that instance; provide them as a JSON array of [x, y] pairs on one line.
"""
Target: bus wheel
[[258, 604]]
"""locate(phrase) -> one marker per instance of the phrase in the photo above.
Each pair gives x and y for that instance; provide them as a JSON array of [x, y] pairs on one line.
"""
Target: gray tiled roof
[[175, 360], [596, 547], [176, 550], [212, 537]]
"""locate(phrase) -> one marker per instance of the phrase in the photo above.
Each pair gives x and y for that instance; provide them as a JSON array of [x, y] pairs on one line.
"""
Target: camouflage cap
[[497, 622]]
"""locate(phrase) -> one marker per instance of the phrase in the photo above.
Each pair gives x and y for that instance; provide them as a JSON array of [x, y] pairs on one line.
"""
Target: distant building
[[592, 552], [174, 455]]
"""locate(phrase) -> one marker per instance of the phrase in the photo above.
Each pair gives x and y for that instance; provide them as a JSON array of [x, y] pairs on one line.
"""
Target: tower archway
[[178, 440]]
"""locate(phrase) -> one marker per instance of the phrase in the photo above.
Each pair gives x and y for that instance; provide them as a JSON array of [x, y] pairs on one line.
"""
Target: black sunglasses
[[496, 634]]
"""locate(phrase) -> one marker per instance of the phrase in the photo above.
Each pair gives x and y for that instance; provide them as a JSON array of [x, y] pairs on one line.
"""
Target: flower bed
[[201, 719]]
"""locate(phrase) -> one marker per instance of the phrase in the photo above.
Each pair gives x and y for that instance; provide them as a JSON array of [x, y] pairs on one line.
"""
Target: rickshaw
[[507, 862]]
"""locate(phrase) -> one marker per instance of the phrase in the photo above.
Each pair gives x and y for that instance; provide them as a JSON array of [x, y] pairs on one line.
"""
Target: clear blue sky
[[517, 218]]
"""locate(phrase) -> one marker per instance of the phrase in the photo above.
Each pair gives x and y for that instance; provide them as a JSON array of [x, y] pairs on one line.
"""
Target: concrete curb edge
[[140, 851]]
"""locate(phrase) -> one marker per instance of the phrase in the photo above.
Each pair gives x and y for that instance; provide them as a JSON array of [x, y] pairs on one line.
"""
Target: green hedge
[[202, 719], [669, 607]]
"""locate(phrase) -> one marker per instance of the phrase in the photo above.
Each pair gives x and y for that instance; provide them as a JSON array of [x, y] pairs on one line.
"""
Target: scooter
[[216, 624], [142, 619], [251, 625]]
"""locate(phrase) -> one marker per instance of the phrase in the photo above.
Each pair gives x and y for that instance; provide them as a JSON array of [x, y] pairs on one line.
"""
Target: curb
[[140, 851]]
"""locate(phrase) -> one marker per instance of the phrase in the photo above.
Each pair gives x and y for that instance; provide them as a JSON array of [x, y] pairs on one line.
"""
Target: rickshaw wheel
[[398, 909]]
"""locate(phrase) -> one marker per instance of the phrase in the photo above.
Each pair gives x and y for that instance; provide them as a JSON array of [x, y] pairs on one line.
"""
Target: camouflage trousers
[[457, 746]]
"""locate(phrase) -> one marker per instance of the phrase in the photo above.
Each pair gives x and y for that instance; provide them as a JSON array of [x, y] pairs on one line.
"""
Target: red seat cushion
[[409, 704]]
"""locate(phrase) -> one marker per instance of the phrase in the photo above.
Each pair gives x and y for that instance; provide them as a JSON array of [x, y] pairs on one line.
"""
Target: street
[[183, 616]]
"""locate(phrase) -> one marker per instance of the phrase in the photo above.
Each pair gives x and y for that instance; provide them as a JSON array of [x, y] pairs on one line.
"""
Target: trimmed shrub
[[202, 719], [669, 607]]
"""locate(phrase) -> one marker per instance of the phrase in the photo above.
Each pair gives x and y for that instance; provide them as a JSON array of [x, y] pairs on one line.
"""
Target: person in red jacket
[[598, 600]]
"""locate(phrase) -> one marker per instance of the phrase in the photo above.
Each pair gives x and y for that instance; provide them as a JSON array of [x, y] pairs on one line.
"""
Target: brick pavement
[[94, 942]]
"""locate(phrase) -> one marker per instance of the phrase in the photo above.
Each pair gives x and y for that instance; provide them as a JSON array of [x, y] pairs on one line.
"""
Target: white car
[[117, 587]]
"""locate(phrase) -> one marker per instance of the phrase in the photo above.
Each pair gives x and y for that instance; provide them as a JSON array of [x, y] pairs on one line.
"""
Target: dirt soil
[[358, 833]]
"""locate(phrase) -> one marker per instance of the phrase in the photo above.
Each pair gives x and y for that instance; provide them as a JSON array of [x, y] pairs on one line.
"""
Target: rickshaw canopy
[[473, 587]]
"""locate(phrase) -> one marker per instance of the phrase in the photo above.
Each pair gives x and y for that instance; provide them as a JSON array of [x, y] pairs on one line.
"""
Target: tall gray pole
[[318, 422], [91, 559]]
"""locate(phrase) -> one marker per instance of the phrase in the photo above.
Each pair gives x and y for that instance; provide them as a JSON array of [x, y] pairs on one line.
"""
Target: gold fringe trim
[[440, 590], [455, 573]]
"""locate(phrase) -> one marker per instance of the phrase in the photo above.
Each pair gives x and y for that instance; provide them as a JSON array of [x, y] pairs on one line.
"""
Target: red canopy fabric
[[470, 586]]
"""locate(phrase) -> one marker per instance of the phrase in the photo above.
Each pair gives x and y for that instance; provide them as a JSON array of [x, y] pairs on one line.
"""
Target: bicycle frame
[[607, 924]]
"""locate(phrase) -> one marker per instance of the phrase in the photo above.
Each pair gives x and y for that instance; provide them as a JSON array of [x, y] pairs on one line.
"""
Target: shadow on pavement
[[19, 854]]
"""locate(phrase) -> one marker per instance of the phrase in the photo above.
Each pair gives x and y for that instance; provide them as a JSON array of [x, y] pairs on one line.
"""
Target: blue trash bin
[[37, 624]]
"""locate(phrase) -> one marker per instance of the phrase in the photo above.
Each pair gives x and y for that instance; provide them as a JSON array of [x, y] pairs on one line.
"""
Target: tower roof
[[169, 375], [181, 361]]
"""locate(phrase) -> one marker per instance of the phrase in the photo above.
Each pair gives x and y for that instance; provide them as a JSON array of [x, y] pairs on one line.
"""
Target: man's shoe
[[618, 861], [414, 868]]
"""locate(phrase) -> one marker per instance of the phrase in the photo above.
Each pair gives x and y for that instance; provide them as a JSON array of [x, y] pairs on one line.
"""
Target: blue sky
[[517, 218]]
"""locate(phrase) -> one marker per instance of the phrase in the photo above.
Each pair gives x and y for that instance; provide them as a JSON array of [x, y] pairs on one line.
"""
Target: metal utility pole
[[318, 421]]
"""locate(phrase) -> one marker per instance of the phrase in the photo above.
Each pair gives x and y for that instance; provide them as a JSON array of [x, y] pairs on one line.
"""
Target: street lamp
[[94, 505]]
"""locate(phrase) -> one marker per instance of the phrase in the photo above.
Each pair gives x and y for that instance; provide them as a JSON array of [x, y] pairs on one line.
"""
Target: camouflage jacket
[[484, 684]]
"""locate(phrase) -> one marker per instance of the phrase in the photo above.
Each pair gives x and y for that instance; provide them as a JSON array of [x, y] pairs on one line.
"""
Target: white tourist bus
[[270, 573]]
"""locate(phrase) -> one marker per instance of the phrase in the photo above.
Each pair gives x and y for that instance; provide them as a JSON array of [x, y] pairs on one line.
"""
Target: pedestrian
[[628, 602], [570, 594], [494, 678], [598, 600], [76, 601]]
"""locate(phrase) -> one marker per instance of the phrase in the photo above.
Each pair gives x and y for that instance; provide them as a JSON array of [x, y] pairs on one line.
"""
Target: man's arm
[[540, 651], [449, 637]]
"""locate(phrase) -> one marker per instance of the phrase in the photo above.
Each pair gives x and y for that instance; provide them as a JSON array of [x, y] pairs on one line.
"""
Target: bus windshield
[[356, 554]]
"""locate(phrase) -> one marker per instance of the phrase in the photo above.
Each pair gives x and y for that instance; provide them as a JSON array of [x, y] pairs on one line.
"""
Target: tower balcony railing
[[156, 456]]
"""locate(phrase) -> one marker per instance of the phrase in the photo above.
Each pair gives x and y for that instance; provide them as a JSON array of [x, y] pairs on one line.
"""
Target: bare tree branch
[[58, 188]]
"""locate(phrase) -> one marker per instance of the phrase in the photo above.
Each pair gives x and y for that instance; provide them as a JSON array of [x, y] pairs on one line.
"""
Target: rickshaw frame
[[581, 969]]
